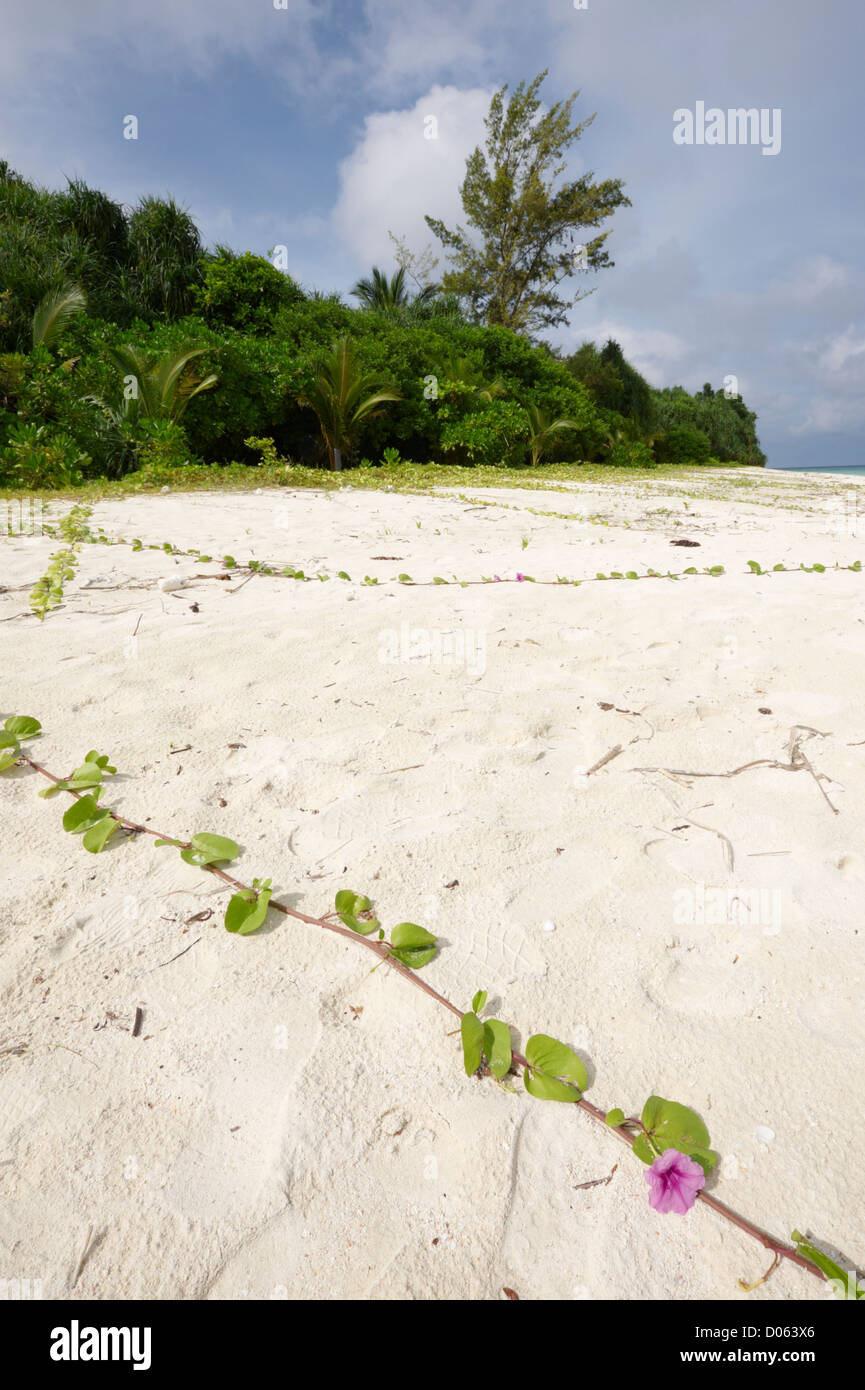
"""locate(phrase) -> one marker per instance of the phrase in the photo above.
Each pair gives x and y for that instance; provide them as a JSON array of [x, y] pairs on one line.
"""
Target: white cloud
[[164, 33], [395, 175], [655, 353], [831, 415], [841, 351]]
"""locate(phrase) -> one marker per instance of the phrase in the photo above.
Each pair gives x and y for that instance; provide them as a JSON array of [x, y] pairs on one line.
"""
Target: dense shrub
[[35, 457], [492, 434], [629, 453], [726, 421], [465, 391], [243, 292], [681, 444]]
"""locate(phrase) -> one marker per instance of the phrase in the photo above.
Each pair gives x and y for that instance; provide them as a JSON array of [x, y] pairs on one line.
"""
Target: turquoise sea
[[853, 469]]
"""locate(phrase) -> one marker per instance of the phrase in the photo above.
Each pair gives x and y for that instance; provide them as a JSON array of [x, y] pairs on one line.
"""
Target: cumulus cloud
[[656, 354], [395, 174]]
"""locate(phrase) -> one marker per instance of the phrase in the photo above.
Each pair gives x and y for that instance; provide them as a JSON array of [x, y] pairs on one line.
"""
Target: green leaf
[[754, 567], [707, 1158], [100, 759], [472, 1031], [8, 759], [497, 1046], [849, 1284], [8, 740], [479, 1000], [22, 726], [157, 843], [643, 1149], [347, 901], [412, 945], [205, 849], [437, 580], [342, 575], [247, 910], [555, 1058], [97, 837], [349, 905], [674, 1126], [405, 579], [82, 814], [409, 934], [821, 569], [615, 1118], [544, 1087], [414, 956], [88, 775]]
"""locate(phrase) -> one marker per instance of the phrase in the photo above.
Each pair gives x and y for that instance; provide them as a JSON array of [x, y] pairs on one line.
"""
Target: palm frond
[[54, 312]]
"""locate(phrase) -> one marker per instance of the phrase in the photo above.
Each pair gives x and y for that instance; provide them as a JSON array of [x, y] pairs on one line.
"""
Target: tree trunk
[[337, 460]]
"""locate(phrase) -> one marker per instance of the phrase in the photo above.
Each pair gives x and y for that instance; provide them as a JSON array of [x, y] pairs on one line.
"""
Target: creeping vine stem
[[780, 1250]]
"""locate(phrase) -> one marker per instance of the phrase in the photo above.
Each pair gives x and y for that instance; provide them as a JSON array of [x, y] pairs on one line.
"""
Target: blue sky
[[304, 126]]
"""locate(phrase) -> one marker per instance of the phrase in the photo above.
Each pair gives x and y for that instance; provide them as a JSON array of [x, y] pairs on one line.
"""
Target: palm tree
[[163, 389], [165, 259], [463, 370], [542, 430], [342, 397], [389, 296], [54, 312]]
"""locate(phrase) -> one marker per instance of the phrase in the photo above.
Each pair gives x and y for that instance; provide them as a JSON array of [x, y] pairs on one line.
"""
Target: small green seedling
[[490, 1040], [353, 910], [247, 909]]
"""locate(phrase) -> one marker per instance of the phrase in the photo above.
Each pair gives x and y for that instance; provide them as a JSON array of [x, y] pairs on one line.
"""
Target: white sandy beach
[[289, 1124]]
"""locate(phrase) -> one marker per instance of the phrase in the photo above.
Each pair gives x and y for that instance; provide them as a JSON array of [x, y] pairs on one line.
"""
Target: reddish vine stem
[[380, 948]]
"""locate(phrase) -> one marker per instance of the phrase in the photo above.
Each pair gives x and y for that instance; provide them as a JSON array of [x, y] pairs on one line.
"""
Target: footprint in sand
[[549, 1249], [706, 980], [496, 953]]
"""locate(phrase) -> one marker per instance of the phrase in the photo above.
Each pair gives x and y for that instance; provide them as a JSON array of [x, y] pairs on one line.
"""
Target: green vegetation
[[669, 1138], [525, 229], [127, 351]]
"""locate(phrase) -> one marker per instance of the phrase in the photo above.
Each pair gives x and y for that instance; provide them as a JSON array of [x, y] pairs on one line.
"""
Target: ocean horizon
[[853, 468]]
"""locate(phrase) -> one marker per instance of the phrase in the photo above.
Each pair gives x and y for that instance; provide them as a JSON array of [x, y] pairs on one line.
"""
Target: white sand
[[289, 1123]]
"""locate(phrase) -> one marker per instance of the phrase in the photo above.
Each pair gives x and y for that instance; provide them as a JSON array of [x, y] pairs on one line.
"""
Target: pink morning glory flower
[[520, 577], [674, 1180]]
